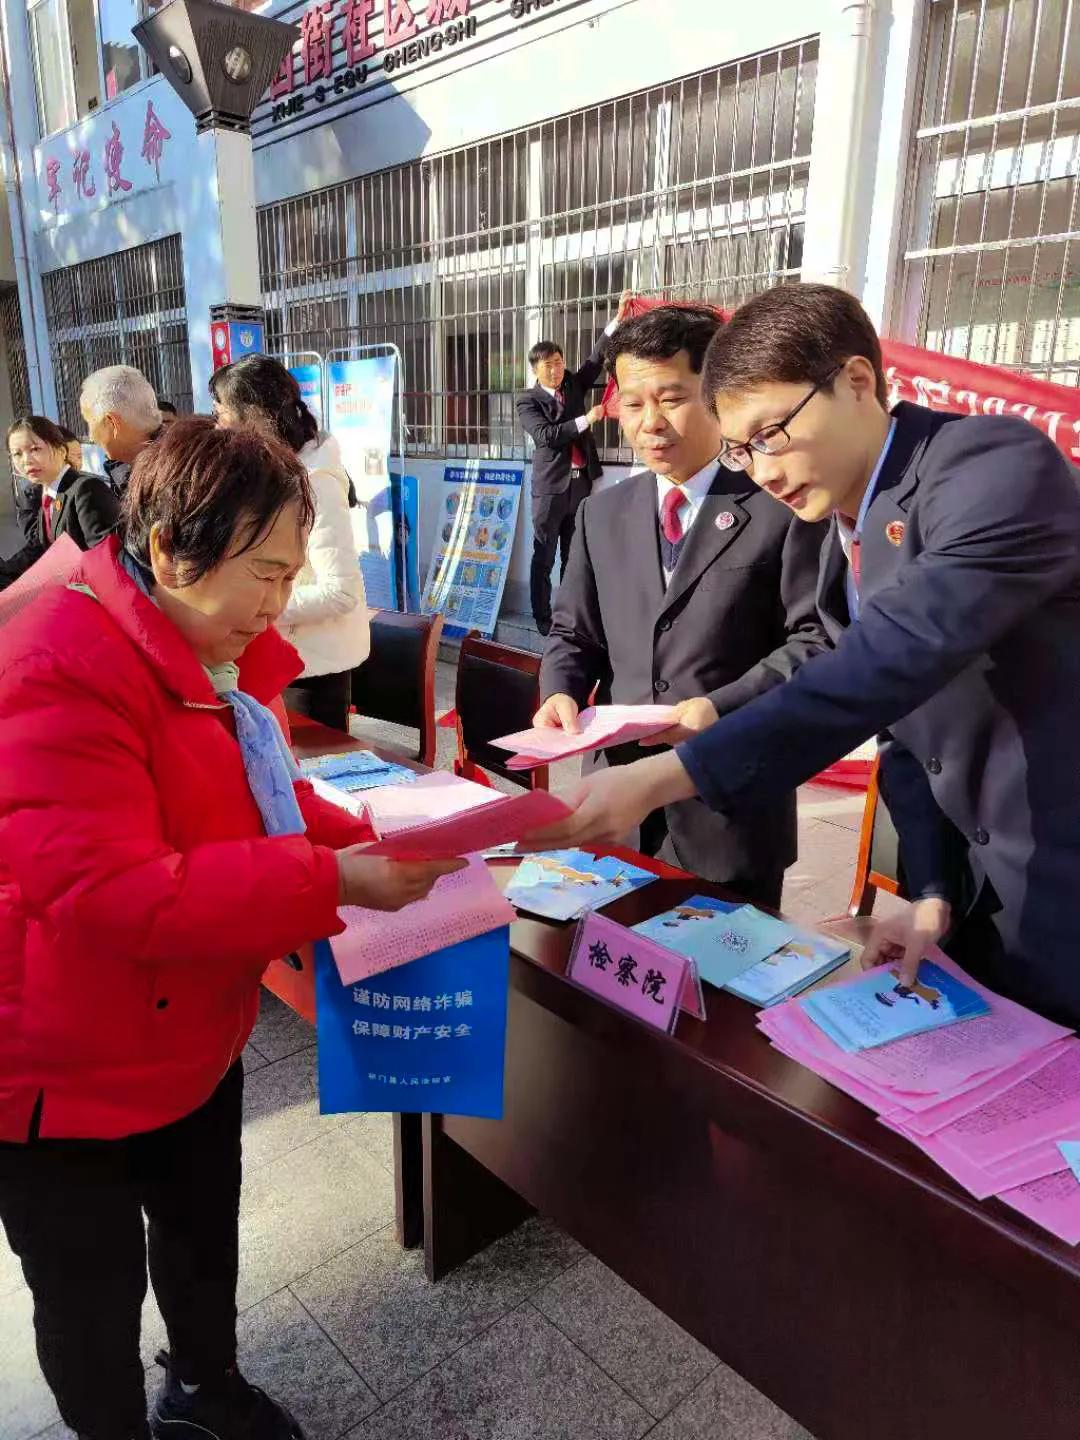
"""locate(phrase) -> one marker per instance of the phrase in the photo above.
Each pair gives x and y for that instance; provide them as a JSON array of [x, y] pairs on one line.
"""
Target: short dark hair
[[214, 491], [70, 438], [262, 384], [42, 427], [166, 407], [543, 350], [661, 333], [792, 334]]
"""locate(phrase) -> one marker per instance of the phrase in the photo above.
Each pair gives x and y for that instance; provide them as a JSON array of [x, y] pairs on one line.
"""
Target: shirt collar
[[696, 488], [53, 490], [547, 389], [854, 531]]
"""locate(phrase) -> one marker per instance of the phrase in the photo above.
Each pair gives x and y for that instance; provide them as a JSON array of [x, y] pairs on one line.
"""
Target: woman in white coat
[[326, 617]]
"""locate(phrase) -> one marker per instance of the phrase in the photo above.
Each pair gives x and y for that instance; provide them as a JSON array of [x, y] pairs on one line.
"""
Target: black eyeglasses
[[770, 439]]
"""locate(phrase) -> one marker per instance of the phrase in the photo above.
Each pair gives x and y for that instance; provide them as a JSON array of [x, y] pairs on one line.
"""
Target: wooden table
[[817, 1253]]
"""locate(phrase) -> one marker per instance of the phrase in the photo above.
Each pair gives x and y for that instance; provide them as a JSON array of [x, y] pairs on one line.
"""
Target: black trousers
[[764, 889], [554, 518], [73, 1213], [325, 698]]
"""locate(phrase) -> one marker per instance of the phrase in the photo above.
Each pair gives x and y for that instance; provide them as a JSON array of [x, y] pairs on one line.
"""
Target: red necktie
[[47, 501], [670, 523], [577, 454], [856, 562]]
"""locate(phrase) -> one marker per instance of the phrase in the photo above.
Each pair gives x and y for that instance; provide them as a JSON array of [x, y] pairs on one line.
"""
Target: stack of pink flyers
[[56, 567], [601, 725], [507, 819], [986, 1100]]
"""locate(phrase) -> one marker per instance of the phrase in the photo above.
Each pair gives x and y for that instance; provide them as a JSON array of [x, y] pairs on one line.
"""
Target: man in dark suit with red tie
[[557, 415], [686, 586]]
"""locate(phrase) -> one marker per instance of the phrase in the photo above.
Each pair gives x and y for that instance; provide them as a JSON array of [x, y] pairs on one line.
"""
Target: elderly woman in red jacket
[[157, 852]]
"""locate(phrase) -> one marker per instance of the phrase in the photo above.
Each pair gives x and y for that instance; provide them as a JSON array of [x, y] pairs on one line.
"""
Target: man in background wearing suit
[[951, 581], [556, 414], [686, 586]]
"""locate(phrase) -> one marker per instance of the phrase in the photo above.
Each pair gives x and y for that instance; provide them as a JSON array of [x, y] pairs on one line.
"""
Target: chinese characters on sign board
[[426, 1036], [340, 40], [634, 973], [93, 162]]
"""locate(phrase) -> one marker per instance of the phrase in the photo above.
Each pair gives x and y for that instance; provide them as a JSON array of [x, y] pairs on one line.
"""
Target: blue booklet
[[356, 770], [724, 939], [805, 959], [564, 884], [877, 1008]]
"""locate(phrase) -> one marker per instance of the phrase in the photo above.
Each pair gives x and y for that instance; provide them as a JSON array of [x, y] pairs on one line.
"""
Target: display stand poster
[[405, 492], [474, 537], [309, 378], [361, 420], [427, 1037]]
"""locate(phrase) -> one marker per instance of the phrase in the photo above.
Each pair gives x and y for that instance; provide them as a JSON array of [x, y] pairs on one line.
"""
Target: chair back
[[498, 691], [878, 864], [397, 680]]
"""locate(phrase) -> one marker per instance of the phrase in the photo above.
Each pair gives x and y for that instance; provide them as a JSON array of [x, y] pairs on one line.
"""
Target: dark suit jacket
[[738, 618], [554, 436], [966, 649], [89, 509], [27, 506]]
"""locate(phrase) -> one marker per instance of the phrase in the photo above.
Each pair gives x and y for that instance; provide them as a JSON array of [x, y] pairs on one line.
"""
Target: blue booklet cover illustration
[[563, 884], [723, 938], [356, 770], [877, 1008], [805, 959]]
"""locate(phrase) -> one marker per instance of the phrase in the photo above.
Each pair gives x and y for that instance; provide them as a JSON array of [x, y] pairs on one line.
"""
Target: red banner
[[943, 382]]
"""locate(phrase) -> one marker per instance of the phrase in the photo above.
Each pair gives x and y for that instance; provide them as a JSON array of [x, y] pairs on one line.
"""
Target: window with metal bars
[[990, 270], [123, 309], [691, 190], [15, 350]]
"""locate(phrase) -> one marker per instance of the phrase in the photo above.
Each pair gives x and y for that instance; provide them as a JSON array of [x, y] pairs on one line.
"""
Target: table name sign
[[634, 973]]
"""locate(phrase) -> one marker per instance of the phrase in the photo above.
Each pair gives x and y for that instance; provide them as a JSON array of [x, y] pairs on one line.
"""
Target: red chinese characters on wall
[[316, 41], [80, 173], [358, 44], [320, 33], [114, 158], [154, 138], [52, 174], [399, 22]]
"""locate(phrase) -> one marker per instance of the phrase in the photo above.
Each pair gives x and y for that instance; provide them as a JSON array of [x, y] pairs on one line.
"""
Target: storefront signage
[[134, 145], [347, 48]]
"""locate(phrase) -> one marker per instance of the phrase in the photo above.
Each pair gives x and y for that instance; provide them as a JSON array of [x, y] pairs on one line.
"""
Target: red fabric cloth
[[670, 522], [140, 900], [856, 562]]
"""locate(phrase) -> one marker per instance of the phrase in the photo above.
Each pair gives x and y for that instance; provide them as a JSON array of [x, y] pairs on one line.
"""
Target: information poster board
[[309, 378], [421, 1038], [361, 420], [473, 540]]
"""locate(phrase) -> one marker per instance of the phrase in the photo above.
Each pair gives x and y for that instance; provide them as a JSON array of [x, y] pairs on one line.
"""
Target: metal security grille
[[124, 309], [463, 260], [11, 327], [990, 273]]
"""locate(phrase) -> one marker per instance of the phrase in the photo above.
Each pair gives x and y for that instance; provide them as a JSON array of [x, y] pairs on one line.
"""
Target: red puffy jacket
[[140, 898]]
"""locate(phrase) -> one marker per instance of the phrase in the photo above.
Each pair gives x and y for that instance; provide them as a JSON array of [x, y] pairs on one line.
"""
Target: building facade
[[464, 177]]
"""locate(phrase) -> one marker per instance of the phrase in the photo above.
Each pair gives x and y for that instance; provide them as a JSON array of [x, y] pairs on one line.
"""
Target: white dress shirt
[[695, 489], [582, 421]]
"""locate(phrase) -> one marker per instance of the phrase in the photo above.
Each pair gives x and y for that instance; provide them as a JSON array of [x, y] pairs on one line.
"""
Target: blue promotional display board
[[309, 378], [246, 337], [361, 414], [473, 540], [405, 493], [425, 1037]]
